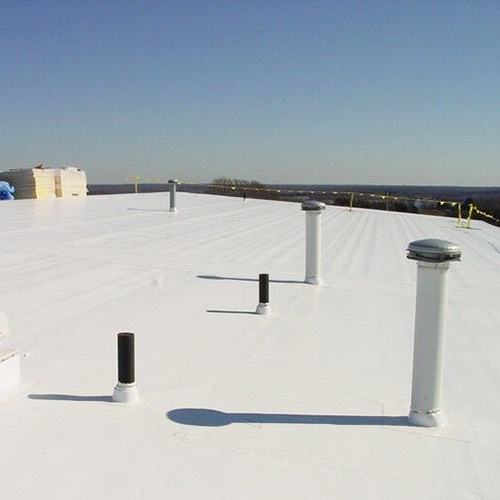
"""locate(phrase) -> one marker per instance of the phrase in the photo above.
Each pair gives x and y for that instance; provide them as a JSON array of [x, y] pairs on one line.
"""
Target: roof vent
[[433, 250], [313, 205]]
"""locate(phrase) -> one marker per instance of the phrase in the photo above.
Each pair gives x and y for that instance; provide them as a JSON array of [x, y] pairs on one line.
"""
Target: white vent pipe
[[433, 257], [313, 211]]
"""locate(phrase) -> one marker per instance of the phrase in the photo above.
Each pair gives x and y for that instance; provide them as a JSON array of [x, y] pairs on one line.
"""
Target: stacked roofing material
[[45, 182], [70, 181], [38, 182]]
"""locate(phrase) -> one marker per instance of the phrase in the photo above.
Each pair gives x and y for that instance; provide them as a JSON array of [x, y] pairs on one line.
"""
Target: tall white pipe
[[433, 258], [313, 211], [172, 183]]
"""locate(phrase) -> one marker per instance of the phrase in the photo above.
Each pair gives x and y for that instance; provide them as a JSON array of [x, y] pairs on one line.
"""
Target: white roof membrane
[[309, 402]]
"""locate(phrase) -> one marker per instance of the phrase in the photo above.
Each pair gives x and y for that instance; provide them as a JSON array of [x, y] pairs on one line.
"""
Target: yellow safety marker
[[136, 180], [351, 195], [484, 214], [471, 208]]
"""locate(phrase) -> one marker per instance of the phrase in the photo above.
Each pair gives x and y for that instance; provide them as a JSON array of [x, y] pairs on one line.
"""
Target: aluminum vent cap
[[433, 250], [312, 205]]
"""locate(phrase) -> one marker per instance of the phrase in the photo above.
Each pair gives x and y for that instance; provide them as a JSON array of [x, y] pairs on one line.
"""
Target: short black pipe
[[263, 288], [126, 358]]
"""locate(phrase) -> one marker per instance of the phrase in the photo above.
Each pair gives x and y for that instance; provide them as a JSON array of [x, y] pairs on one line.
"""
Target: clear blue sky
[[384, 92]]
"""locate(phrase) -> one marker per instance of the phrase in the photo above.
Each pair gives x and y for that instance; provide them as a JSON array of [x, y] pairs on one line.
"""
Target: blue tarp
[[6, 191]]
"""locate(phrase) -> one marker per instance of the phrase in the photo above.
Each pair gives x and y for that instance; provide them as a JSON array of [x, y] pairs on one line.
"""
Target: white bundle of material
[[38, 182], [70, 181]]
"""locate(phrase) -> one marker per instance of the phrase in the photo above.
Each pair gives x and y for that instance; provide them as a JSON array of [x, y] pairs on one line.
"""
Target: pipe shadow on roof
[[211, 277], [70, 397], [146, 210], [204, 417], [222, 311]]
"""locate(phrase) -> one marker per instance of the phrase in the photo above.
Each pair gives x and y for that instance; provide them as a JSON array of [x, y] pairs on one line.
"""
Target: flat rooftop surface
[[307, 403]]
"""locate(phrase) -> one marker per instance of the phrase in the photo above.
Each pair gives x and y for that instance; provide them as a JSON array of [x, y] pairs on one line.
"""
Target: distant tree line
[[242, 188]]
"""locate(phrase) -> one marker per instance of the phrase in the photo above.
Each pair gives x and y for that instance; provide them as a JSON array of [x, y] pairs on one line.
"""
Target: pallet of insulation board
[[31, 182], [70, 181]]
